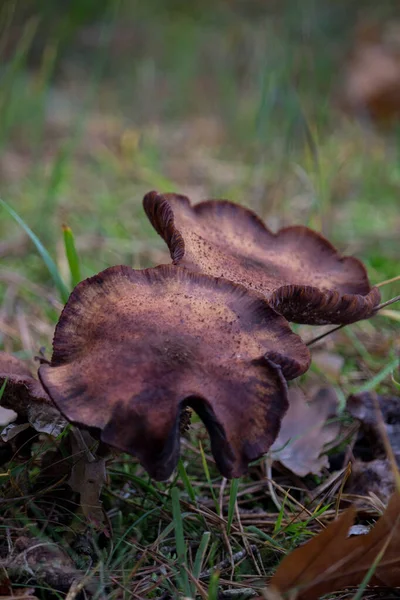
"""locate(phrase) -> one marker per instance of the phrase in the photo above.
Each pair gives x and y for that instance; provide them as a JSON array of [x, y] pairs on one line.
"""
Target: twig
[[237, 557], [379, 307], [320, 337], [242, 592], [274, 497], [246, 543], [392, 280], [388, 302]]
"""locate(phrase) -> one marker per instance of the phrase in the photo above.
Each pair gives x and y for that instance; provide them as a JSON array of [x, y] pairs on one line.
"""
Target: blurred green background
[[103, 101]]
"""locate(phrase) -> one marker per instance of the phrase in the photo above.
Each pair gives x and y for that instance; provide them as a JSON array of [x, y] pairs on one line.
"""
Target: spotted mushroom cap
[[133, 348], [300, 273]]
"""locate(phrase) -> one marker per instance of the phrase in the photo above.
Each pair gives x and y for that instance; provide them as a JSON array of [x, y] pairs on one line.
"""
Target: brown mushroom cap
[[22, 388], [300, 273], [25, 395], [132, 348]]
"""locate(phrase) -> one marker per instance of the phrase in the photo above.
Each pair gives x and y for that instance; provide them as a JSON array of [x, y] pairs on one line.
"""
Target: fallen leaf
[[42, 560], [12, 430], [374, 477], [333, 561], [363, 407], [305, 431]]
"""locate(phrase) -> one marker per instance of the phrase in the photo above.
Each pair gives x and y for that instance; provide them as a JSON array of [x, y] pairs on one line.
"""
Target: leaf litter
[[363, 406], [371, 469], [333, 561], [306, 429]]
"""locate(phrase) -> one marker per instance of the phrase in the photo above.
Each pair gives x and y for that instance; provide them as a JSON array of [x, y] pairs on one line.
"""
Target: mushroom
[[133, 348], [25, 395], [299, 272]]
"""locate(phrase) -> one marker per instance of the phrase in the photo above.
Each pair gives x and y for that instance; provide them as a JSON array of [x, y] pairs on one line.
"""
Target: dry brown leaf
[[305, 432], [332, 561], [12, 430], [371, 478], [42, 561], [363, 406], [371, 471]]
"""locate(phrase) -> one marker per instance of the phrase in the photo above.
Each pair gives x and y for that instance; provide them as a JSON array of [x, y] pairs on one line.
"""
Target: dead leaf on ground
[[305, 431], [44, 562], [363, 407], [12, 430], [371, 478], [371, 470], [332, 561], [372, 473]]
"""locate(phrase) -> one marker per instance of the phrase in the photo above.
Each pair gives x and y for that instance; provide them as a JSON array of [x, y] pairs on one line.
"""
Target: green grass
[[213, 103]]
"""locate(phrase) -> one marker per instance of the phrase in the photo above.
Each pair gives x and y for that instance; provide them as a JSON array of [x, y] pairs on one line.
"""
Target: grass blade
[[395, 382], [280, 516], [186, 481], [232, 502], [207, 474], [72, 256], [200, 554], [379, 377], [213, 586], [264, 536], [3, 387], [180, 541], [49, 262]]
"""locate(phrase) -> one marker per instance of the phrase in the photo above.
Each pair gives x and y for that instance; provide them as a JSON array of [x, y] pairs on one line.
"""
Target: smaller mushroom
[[25, 395], [133, 348], [299, 272]]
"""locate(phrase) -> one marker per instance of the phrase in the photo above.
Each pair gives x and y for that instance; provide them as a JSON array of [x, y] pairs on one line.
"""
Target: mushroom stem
[[83, 440]]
